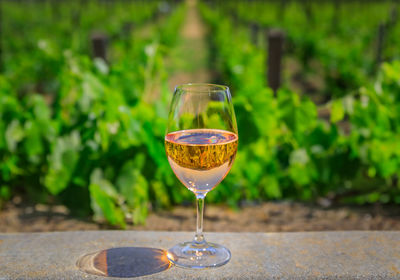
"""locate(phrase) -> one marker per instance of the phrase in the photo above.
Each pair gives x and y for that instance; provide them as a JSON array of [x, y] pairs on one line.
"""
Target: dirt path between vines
[[189, 60], [19, 216]]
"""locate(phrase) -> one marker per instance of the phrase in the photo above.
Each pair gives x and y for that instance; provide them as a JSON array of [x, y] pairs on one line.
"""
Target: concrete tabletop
[[305, 255]]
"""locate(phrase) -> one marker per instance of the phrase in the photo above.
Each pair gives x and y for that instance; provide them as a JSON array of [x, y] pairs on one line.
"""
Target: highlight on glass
[[201, 144]]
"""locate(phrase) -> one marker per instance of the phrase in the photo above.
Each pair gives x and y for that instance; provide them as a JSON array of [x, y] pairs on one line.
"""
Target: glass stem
[[199, 237]]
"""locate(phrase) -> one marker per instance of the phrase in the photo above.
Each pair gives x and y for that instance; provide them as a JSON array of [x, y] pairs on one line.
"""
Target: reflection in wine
[[201, 158]]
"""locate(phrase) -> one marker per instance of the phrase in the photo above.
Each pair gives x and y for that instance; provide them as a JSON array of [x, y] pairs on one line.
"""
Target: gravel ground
[[18, 216]]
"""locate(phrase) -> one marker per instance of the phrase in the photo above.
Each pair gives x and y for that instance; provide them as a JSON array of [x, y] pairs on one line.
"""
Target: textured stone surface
[[312, 255]]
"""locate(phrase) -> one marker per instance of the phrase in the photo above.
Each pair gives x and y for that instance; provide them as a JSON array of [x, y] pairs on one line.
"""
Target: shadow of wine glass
[[125, 262]]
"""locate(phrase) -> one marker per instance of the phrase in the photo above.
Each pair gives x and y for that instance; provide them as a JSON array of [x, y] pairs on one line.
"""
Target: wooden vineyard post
[[254, 31], [127, 30], [76, 18], [394, 13], [156, 15], [275, 39], [55, 9], [99, 45], [235, 18], [379, 46], [281, 11], [336, 14], [308, 11]]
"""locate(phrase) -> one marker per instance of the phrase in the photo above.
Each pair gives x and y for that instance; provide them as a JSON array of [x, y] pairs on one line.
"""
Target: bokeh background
[[84, 94]]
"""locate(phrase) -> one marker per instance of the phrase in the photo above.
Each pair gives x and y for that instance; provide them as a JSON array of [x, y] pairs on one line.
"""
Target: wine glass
[[201, 144]]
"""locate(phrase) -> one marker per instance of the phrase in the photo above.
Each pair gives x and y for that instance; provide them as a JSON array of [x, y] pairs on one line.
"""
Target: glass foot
[[198, 255]]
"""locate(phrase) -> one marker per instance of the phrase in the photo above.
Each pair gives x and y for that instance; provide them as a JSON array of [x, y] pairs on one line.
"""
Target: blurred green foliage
[[336, 40], [84, 133], [286, 151], [83, 130]]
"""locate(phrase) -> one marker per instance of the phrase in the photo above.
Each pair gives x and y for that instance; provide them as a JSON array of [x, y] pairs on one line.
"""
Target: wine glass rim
[[201, 87]]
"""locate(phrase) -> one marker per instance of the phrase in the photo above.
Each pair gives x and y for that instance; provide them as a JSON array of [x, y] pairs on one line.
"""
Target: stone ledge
[[305, 255]]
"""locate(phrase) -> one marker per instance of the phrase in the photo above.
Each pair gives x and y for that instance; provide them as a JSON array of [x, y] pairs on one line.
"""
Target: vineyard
[[84, 95]]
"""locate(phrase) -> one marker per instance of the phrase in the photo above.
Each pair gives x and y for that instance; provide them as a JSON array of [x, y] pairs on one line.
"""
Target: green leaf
[[5, 192], [14, 134], [271, 187], [253, 171], [97, 177], [40, 109], [299, 156], [62, 162], [155, 146], [160, 191], [337, 111], [134, 188], [104, 205], [33, 141], [9, 168]]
